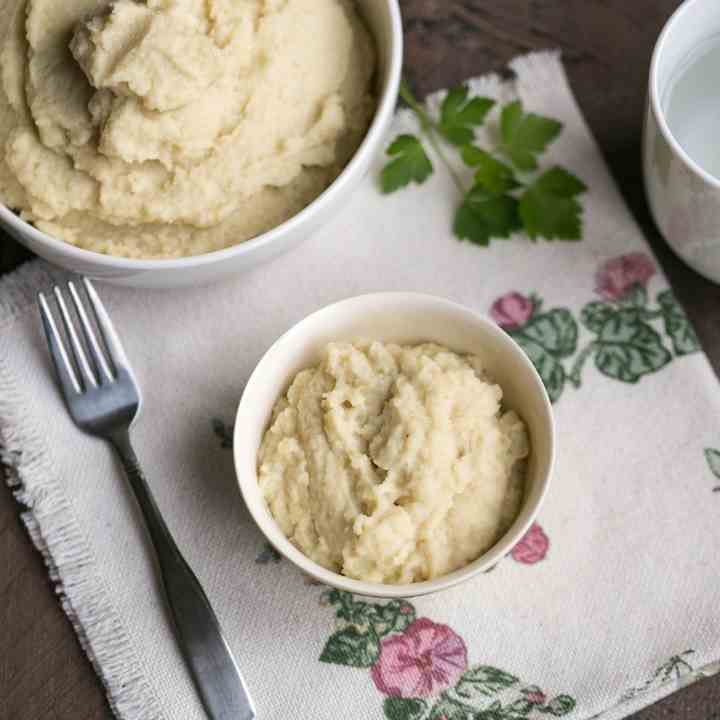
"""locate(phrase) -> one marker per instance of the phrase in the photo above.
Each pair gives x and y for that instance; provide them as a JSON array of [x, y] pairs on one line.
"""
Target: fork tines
[[82, 359]]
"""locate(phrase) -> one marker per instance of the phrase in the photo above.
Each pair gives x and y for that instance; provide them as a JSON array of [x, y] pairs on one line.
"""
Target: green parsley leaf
[[484, 216], [458, 115], [494, 176], [549, 209], [498, 203], [525, 135], [411, 164]]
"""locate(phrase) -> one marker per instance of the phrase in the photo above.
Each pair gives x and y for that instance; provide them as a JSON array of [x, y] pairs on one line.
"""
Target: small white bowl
[[406, 318], [383, 19]]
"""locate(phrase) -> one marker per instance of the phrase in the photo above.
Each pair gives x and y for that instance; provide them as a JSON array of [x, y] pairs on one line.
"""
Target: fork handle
[[206, 652]]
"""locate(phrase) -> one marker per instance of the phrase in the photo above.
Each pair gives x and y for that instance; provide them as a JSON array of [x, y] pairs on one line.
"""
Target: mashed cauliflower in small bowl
[[394, 444]]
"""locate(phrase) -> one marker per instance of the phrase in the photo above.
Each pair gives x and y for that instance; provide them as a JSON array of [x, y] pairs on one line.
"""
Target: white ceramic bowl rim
[[654, 92], [486, 561], [386, 107]]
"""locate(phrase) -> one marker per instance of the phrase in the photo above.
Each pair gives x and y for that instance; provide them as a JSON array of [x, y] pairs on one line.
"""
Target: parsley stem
[[406, 94], [429, 126], [438, 149]]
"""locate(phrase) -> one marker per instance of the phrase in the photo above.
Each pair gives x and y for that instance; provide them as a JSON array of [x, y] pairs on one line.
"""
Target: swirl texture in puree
[[168, 128], [393, 464]]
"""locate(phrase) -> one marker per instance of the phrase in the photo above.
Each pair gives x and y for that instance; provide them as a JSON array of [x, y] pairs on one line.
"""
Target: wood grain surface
[[607, 46]]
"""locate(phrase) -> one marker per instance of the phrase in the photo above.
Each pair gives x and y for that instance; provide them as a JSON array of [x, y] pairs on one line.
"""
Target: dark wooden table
[[607, 46]]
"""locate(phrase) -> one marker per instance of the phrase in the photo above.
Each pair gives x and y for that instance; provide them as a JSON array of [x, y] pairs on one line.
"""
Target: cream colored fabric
[[630, 578]]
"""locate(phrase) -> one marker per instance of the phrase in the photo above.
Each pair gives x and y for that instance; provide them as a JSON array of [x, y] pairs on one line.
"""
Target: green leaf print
[[520, 708], [483, 681], [635, 296], [546, 339], [556, 331], [628, 348], [713, 460], [393, 616], [677, 325], [494, 712], [224, 433], [595, 314], [558, 706], [268, 555], [549, 368], [438, 654], [631, 337], [397, 708], [349, 609], [351, 647], [447, 709], [672, 669]]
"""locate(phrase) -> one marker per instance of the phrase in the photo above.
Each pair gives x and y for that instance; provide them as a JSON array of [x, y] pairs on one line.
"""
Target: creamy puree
[[174, 127], [393, 464]]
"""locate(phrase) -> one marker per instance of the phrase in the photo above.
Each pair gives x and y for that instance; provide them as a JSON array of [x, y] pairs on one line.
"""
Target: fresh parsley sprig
[[508, 193], [411, 164]]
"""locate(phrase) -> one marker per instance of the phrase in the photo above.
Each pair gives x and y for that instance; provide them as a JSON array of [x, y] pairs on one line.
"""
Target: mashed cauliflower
[[167, 128], [393, 464]]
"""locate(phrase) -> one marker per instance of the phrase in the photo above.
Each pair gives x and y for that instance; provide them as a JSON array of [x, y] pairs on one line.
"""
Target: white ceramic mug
[[684, 198]]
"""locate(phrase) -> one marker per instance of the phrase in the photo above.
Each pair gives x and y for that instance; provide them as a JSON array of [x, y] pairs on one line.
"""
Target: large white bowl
[[403, 318], [383, 18]]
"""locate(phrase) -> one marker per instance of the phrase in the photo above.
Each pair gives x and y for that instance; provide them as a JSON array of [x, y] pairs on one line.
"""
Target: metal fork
[[103, 398]]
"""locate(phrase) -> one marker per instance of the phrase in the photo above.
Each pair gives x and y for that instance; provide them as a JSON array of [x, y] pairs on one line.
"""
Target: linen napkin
[[609, 603]]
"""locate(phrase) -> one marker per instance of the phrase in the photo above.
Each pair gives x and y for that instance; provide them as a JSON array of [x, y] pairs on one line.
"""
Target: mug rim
[[654, 96]]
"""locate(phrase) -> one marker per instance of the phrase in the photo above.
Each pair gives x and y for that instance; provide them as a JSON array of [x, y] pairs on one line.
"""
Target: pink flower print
[[535, 695], [617, 276], [424, 660], [533, 547], [512, 310]]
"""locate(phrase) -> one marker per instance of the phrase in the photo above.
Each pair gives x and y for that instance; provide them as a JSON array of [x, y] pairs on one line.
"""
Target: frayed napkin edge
[[55, 532]]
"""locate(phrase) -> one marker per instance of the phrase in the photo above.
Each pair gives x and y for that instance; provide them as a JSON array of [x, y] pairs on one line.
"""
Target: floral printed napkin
[[609, 603]]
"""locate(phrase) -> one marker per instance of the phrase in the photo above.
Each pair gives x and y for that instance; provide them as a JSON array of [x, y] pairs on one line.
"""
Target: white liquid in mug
[[692, 106]]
